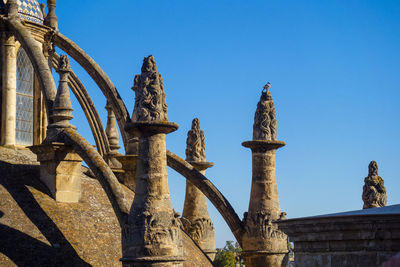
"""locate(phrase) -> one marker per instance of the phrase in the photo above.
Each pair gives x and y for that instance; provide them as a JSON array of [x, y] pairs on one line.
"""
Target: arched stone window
[[24, 104]]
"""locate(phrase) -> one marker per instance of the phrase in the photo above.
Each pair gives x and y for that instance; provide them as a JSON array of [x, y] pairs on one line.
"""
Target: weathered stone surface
[[195, 143], [9, 89], [129, 167], [374, 191], [195, 217], [359, 238], [112, 130], [263, 243], [152, 235], [38, 231], [60, 171], [113, 140], [60, 166], [62, 107], [49, 233], [150, 102]]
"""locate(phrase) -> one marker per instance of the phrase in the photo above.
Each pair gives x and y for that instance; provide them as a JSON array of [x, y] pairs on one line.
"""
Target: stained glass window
[[24, 116]]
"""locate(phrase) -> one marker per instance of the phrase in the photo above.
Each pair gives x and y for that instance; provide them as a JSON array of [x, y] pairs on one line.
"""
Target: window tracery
[[25, 95]]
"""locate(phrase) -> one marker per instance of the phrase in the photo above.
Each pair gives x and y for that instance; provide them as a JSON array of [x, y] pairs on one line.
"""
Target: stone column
[[9, 90], [60, 166], [195, 217], [263, 243], [152, 235]]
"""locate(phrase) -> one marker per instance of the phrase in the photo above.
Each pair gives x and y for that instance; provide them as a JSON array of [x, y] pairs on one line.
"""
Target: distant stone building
[[54, 212]]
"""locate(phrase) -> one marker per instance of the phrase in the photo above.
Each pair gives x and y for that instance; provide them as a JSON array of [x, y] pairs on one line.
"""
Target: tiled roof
[[28, 10]]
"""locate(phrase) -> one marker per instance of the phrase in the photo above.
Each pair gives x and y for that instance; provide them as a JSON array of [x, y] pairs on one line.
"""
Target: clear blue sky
[[334, 70]]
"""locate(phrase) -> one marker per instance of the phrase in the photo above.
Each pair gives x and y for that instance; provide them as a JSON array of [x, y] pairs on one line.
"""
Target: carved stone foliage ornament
[[265, 124], [260, 224], [63, 64], [374, 191], [195, 143], [158, 230], [150, 102], [201, 229]]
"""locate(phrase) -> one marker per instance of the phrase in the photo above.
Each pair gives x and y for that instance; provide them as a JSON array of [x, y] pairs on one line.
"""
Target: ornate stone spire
[[111, 129], [62, 107], [374, 191], [152, 235], [195, 143], [150, 102], [263, 243], [264, 127], [195, 218]]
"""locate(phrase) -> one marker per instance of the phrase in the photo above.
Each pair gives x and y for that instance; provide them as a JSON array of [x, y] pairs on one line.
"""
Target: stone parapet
[[348, 239], [60, 170]]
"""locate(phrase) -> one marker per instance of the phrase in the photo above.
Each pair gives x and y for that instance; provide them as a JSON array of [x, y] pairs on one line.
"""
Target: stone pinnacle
[[265, 123], [150, 104], [62, 107]]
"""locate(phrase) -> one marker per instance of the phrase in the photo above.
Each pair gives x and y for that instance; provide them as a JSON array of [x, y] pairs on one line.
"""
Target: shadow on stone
[[15, 243]]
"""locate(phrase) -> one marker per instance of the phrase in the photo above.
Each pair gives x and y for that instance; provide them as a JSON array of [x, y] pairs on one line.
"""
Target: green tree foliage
[[228, 256]]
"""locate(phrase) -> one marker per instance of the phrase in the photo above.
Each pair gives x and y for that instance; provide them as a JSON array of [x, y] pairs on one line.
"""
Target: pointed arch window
[[25, 95]]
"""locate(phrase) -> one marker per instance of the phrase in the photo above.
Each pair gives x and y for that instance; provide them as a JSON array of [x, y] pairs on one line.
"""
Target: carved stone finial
[[51, 19], [195, 143], [195, 218], [265, 124], [62, 107], [374, 191], [63, 64], [150, 97], [111, 129]]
